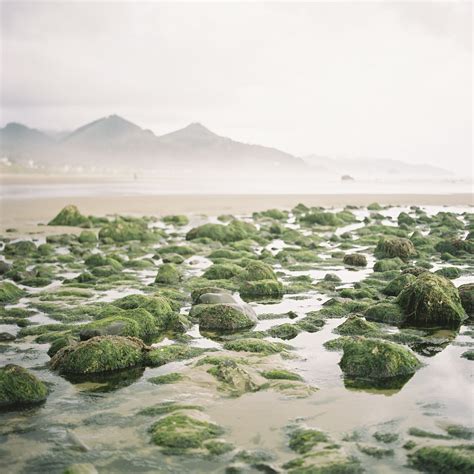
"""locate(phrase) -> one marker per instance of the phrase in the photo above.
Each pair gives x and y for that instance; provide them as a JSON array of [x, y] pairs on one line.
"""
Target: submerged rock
[[98, 355], [443, 459], [431, 300], [376, 359], [259, 346], [19, 386], [179, 432], [70, 216]]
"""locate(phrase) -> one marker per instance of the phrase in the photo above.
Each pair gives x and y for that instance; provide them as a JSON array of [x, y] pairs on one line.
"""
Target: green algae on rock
[[466, 293], [255, 345], [389, 247], [303, 440], [226, 317], [280, 374], [261, 289], [431, 300], [165, 379], [376, 359], [385, 312], [10, 293], [99, 355], [443, 459], [357, 326], [70, 216], [168, 274], [164, 354], [179, 432], [395, 287], [355, 260], [19, 387]]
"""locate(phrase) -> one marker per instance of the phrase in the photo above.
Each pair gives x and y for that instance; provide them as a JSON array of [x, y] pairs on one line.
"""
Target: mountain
[[363, 168], [19, 141], [114, 142]]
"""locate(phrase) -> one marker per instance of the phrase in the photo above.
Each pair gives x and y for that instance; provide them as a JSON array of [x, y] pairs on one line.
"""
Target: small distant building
[[346, 177]]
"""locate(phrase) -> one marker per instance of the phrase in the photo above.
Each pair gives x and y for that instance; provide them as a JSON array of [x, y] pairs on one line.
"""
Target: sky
[[374, 79]]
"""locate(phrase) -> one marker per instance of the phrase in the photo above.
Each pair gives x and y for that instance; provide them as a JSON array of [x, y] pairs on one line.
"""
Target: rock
[[21, 248], [217, 298], [387, 264], [168, 274], [179, 432], [177, 220], [388, 313], [376, 359], [234, 231], [87, 237], [449, 272], [466, 293], [222, 271], [164, 354], [284, 331], [389, 247], [59, 343], [81, 468], [234, 378], [19, 387], [455, 247], [259, 346], [303, 440], [6, 337], [395, 287], [124, 231], [431, 300], [227, 317], [357, 326], [258, 271], [99, 355], [10, 293], [261, 289], [355, 259], [443, 459], [70, 216]]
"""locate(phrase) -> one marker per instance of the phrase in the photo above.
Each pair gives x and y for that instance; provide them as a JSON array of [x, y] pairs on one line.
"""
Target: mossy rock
[[124, 231], [234, 231], [262, 288], [455, 247], [376, 359], [466, 293], [355, 260], [137, 322], [88, 237], [177, 220], [168, 274], [222, 271], [10, 293], [281, 374], [19, 387], [357, 326], [234, 378], [257, 271], [449, 272], [385, 312], [284, 331], [99, 355], [170, 353], [226, 317], [70, 216], [258, 346], [166, 379], [443, 459], [395, 287], [390, 247], [60, 342], [388, 264], [431, 300], [179, 432], [303, 440], [21, 248]]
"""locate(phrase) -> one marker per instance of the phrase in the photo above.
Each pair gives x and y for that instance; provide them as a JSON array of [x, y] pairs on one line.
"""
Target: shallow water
[[97, 422]]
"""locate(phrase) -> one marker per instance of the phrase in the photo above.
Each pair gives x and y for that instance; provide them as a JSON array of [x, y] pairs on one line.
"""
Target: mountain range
[[114, 143]]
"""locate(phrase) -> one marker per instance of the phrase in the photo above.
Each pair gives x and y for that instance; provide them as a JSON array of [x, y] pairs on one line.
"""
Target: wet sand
[[22, 212]]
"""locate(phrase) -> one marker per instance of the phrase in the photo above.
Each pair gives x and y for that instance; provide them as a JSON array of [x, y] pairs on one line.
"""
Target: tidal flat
[[302, 340]]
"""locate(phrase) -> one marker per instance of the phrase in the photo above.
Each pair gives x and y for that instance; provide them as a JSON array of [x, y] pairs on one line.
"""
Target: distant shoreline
[[26, 213]]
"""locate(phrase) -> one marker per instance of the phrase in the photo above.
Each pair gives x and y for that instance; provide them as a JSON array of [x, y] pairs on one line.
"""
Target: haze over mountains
[[114, 143]]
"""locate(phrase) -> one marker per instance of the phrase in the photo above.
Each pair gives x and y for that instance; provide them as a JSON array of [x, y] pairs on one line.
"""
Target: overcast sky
[[375, 79]]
